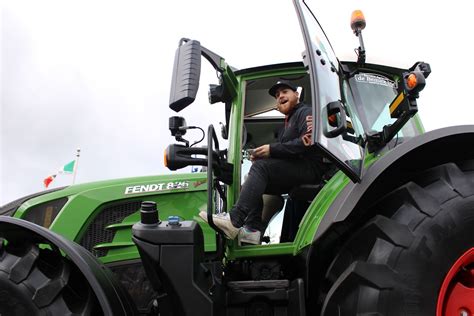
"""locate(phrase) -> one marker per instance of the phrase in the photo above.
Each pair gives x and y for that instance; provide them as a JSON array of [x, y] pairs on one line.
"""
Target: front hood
[[125, 188]]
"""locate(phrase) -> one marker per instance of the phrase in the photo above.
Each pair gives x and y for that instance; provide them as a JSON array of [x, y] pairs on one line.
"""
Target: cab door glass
[[344, 148]]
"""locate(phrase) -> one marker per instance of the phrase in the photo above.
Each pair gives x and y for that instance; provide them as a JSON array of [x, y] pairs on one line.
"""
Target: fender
[[390, 171], [386, 174], [113, 299]]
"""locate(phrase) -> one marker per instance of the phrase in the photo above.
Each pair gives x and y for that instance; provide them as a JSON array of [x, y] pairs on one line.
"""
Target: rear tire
[[35, 281], [398, 261]]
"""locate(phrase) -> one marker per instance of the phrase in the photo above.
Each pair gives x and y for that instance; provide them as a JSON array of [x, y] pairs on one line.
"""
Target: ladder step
[[262, 284], [243, 292]]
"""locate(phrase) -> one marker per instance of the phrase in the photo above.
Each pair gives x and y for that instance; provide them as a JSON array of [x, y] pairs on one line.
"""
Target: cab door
[[334, 132]]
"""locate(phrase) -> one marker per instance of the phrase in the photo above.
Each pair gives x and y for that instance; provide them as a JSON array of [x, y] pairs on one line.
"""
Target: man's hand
[[260, 152], [309, 123], [306, 138]]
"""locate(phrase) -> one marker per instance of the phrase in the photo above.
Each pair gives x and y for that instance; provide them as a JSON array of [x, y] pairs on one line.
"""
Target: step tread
[[268, 284]]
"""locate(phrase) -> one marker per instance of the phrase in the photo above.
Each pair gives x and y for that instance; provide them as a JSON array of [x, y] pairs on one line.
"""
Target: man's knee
[[260, 165]]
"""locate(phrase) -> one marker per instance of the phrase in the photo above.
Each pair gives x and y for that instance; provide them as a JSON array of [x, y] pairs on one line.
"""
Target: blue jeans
[[270, 176]]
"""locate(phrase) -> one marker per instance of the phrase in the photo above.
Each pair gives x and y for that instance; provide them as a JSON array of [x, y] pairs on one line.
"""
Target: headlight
[[10, 208], [44, 214]]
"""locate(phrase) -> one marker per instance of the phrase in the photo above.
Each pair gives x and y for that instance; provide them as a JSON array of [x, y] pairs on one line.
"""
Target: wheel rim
[[456, 296]]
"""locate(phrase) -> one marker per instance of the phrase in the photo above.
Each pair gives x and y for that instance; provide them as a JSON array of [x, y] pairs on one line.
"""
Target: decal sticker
[[198, 183], [156, 187], [375, 79]]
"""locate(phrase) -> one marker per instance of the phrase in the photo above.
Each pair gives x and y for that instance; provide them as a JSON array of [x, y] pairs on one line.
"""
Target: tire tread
[[408, 223]]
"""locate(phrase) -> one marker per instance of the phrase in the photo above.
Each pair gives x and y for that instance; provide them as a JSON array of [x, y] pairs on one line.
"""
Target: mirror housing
[[186, 74], [340, 124]]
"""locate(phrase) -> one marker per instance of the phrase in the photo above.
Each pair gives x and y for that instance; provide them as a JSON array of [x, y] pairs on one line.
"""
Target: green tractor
[[389, 230]]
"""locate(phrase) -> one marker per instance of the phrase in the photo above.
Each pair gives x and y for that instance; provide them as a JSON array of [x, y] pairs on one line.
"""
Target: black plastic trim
[[296, 64], [111, 295], [11, 207]]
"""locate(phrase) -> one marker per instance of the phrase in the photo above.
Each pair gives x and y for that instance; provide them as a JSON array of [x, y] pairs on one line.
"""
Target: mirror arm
[[213, 58], [379, 139], [361, 49]]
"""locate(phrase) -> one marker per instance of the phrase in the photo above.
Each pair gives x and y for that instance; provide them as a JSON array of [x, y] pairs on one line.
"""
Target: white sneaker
[[222, 221], [203, 215], [249, 236]]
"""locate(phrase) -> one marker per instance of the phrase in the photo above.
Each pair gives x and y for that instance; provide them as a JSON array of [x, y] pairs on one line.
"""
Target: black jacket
[[290, 144]]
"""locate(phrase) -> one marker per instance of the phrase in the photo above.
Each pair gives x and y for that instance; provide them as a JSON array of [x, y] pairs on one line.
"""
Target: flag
[[47, 181], [66, 169]]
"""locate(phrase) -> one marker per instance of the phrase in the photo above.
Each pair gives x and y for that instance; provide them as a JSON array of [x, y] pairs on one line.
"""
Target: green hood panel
[[124, 188], [97, 205]]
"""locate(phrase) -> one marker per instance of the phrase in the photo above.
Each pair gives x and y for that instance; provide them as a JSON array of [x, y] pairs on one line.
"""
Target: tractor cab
[[359, 110]]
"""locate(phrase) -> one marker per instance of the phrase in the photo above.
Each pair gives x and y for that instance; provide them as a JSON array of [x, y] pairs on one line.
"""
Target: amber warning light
[[415, 81], [411, 81], [357, 21]]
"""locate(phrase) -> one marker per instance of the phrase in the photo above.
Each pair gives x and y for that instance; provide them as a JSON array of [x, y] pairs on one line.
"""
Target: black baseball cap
[[279, 84]]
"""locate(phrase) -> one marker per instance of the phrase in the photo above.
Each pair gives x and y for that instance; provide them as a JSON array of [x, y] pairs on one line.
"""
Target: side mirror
[[340, 123], [186, 74]]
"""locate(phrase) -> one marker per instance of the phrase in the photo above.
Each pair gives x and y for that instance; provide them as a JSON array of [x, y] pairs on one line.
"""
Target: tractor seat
[[305, 192]]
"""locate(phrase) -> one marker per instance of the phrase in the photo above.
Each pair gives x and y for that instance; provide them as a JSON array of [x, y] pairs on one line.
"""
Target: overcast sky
[[96, 74]]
